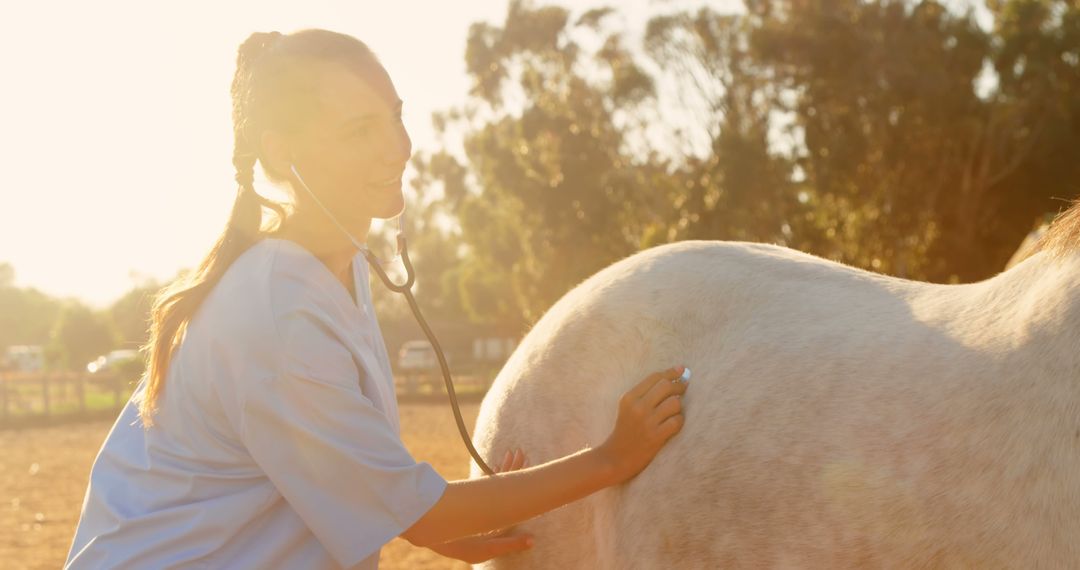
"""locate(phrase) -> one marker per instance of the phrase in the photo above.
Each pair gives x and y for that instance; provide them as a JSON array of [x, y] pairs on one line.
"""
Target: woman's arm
[[485, 546], [649, 415], [472, 506]]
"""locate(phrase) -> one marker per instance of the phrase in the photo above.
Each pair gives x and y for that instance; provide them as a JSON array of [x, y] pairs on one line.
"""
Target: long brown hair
[[273, 88]]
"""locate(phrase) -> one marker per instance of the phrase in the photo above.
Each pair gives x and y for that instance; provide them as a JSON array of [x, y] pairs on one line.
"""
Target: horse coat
[[836, 417]]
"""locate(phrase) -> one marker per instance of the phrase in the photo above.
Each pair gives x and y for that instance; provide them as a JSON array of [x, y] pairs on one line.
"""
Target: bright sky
[[115, 127], [117, 135], [116, 132]]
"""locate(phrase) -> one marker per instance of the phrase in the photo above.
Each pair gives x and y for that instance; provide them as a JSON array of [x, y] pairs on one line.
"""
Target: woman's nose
[[401, 150]]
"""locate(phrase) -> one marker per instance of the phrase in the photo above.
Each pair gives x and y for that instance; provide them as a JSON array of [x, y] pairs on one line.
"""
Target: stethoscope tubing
[[406, 289]]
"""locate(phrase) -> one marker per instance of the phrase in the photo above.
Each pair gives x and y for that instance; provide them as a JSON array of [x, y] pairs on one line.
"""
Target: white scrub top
[[276, 443]]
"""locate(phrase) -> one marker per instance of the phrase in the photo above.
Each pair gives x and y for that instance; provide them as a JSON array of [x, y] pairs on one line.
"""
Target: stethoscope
[[406, 289]]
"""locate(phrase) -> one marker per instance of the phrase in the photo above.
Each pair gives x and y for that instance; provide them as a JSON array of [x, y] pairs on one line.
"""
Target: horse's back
[[835, 417]]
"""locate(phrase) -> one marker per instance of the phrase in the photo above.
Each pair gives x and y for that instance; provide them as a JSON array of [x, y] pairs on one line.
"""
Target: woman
[[265, 431]]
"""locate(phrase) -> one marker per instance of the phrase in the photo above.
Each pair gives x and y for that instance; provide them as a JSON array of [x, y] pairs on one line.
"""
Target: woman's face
[[354, 153]]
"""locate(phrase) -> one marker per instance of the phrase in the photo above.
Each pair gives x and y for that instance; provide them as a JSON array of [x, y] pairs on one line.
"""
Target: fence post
[[45, 392], [80, 391]]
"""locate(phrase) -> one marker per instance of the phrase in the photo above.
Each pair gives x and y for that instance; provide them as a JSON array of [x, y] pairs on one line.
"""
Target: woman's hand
[[483, 547], [649, 415]]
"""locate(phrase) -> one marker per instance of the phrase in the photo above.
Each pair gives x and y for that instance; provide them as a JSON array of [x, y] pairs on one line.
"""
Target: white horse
[[836, 417]]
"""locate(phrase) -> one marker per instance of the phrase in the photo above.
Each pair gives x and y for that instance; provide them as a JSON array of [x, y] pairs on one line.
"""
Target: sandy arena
[[43, 475]]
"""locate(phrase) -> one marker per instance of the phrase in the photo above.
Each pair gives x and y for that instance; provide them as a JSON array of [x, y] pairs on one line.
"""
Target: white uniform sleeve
[[329, 451]]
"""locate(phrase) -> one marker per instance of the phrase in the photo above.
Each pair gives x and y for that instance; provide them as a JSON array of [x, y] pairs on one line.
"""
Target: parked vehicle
[[114, 361], [23, 358], [416, 356]]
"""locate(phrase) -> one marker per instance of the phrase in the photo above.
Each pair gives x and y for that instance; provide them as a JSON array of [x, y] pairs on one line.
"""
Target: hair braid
[[269, 91]]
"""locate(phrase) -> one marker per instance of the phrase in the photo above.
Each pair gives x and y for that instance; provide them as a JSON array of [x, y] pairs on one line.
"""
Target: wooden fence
[[39, 399], [28, 399]]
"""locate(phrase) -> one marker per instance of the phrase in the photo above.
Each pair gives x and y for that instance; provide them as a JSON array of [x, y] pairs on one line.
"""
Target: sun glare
[[117, 130]]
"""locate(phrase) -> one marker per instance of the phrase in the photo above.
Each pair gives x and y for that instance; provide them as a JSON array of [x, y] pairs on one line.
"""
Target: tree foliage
[[896, 136], [26, 315], [79, 336]]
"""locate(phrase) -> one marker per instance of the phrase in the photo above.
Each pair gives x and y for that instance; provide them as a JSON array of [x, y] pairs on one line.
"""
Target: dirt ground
[[44, 471]]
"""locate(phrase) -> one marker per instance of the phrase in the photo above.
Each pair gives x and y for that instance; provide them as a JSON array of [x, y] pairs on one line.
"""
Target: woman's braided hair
[[272, 89]]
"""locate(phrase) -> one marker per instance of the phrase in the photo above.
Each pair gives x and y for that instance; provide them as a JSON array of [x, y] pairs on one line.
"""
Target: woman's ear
[[276, 153]]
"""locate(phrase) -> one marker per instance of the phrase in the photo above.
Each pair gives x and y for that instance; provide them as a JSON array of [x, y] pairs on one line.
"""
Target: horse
[[837, 418]]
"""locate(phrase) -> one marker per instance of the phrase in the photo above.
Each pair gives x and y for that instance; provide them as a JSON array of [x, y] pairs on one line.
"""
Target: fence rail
[[51, 397], [40, 399]]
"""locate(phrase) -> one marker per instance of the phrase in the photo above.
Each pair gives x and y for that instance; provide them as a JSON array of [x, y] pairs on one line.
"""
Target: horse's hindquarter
[[827, 442], [834, 419]]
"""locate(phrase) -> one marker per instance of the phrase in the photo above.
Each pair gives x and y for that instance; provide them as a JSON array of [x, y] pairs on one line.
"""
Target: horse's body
[[836, 417]]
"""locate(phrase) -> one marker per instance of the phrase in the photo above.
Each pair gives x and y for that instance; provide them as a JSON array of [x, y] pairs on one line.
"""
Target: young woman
[[265, 432]]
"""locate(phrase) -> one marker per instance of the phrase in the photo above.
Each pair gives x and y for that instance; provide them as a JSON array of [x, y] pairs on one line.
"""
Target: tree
[[1036, 59], [871, 133], [555, 192], [883, 95], [739, 189], [912, 170], [79, 336], [130, 314], [7, 276], [26, 315]]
